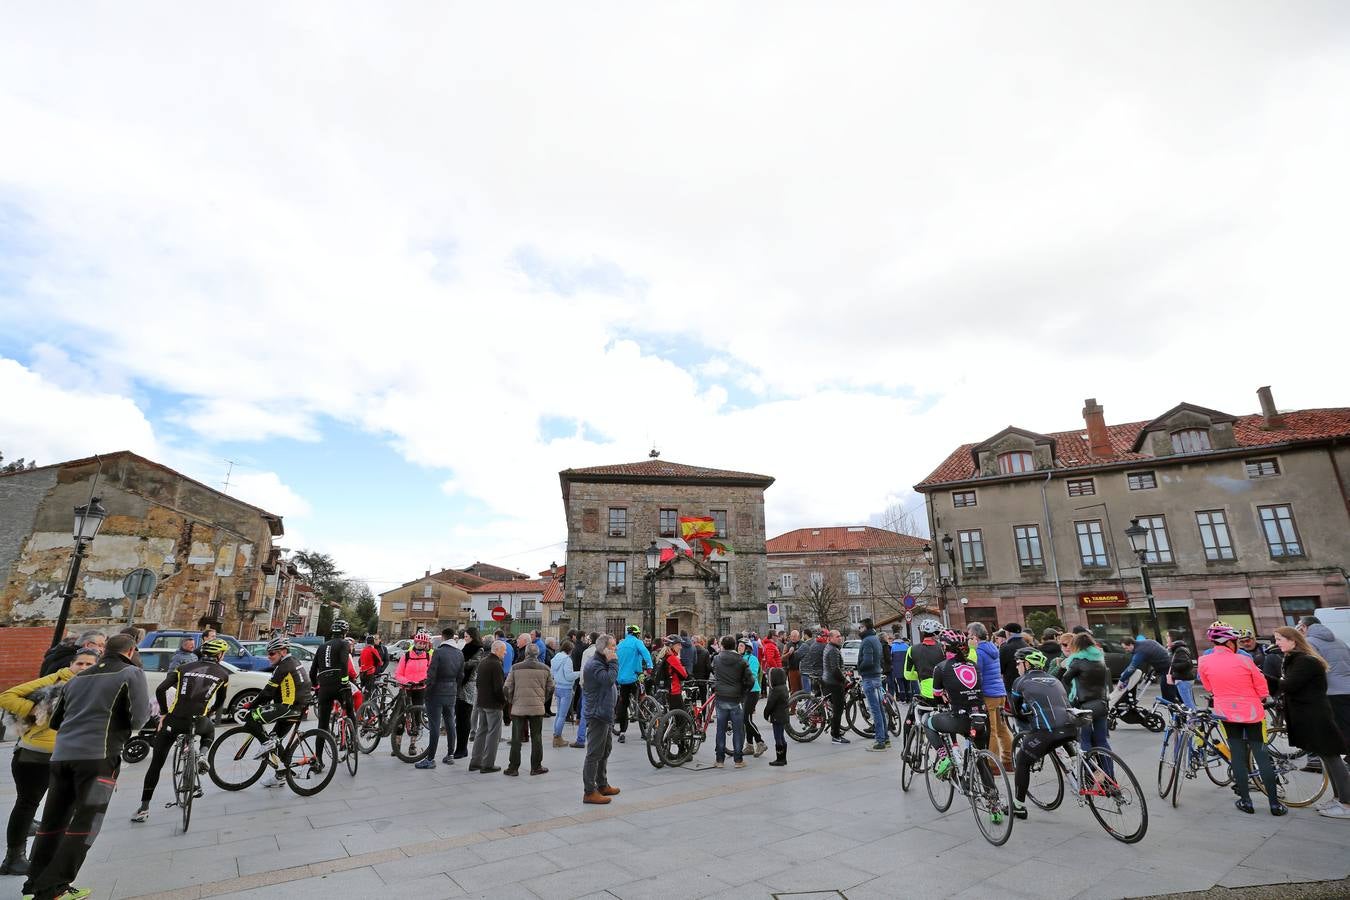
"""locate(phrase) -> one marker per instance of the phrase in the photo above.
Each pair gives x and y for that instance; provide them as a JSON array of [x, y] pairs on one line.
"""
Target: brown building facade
[[436, 600], [212, 554], [615, 512], [1248, 520]]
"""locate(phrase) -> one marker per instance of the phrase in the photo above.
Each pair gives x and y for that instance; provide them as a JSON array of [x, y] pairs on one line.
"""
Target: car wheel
[[241, 699]]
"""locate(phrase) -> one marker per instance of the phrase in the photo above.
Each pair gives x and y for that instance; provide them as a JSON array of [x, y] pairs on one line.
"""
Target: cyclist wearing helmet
[[956, 679], [1041, 704], [187, 697], [1240, 697], [922, 657], [330, 674], [670, 671], [283, 701], [634, 659]]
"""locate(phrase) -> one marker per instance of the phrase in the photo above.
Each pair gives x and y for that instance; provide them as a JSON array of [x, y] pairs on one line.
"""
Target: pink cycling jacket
[[412, 667], [1236, 683]]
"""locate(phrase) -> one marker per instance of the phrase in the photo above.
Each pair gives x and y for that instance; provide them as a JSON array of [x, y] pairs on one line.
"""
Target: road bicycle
[[1099, 779], [372, 719], [858, 713], [186, 777], [1193, 741], [977, 775], [344, 732], [406, 721], [236, 763], [914, 742], [643, 708], [808, 715], [679, 733]]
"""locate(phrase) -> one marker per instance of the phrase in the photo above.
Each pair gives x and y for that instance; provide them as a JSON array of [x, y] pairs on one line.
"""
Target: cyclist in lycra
[[1040, 703], [921, 658], [330, 674], [957, 680], [186, 699], [283, 701]]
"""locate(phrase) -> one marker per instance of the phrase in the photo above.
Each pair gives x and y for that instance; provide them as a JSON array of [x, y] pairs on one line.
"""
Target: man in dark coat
[[444, 676]]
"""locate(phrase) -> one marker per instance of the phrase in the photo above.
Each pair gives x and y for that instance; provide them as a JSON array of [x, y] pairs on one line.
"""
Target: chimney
[[428, 575], [1268, 410], [1099, 442]]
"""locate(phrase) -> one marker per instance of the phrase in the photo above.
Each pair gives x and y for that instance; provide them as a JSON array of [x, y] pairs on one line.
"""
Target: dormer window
[[1016, 462], [1190, 440]]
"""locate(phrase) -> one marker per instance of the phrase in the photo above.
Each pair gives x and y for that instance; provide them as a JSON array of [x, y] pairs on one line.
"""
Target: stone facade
[[683, 597], [436, 600], [212, 553], [1207, 481]]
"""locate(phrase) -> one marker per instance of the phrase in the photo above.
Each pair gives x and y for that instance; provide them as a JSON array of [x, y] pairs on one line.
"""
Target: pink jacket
[[412, 668], [1236, 683]]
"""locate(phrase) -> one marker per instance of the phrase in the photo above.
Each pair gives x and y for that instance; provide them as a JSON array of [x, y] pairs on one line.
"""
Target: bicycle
[[186, 786], [1192, 741], [1297, 783], [681, 732], [373, 717], [1099, 779], [914, 742], [808, 715], [235, 764], [344, 732], [644, 708], [973, 774], [858, 713]]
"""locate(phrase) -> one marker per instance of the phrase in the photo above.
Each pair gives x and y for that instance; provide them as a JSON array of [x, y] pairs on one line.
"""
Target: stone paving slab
[[833, 821]]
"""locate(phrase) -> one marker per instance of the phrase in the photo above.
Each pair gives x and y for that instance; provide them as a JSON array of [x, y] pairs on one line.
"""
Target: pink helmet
[[1221, 633], [422, 640]]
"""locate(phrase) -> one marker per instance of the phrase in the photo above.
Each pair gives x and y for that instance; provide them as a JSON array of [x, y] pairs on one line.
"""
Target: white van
[[1337, 618]]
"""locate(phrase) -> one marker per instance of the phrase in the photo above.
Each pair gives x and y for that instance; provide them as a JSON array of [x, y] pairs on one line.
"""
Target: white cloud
[[43, 422], [863, 236]]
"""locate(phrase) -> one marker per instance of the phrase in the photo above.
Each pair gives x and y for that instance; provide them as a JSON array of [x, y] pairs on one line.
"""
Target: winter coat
[[870, 655], [776, 706], [770, 656], [181, 658], [412, 667], [633, 658], [753, 662], [1086, 676], [32, 703], [1337, 655], [564, 676], [99, 709], [810, 657], [832, 666], [1237, 685], [528, 688], [1312, 725], [1007, 657], [991, 670], [1182, 666], [702, 669], [446, 670], [599, 691], [490, 683], [731, 677], [57, 658]]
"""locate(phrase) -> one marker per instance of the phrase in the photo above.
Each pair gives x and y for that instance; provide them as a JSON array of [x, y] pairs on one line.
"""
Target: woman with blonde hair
[[1308, 716]]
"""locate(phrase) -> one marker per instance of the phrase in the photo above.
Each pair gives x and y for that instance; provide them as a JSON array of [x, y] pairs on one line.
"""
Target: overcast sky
[[403, 262]]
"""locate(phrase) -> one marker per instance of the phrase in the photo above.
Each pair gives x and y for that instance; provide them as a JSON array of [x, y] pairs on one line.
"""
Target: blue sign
[[909, 601]]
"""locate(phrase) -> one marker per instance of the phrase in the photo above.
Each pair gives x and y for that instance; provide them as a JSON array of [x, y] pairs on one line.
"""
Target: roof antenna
[[228, 473], [654, 452]]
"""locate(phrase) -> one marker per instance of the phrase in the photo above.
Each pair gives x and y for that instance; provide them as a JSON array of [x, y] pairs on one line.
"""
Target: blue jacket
[[509, 657], [633, 658], [753, 663], [598, 692], [543, 648], [898, 650], [1150, 656], [870, 656], [991, 673]]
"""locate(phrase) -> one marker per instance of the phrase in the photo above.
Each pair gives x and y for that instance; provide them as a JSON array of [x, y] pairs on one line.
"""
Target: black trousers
[[751, 732], [163, 742], [327, 696], [32, 773], [463, 724], [836, 694], [627, 693], [521, 726], [77, 800]]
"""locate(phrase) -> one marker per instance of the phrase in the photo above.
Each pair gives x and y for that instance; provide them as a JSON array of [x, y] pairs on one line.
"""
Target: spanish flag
[[693, 528]]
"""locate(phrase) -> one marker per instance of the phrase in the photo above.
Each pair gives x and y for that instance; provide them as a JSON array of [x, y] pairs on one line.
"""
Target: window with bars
[[917, 580], [1262, 468], [1028, 540], [1158, 547], [668, 522], [1214, 535], [724, 625], [1190, 440], [1015, 462], [962, 499], [972, 550], [788, 583], [719, 517], [614, 625], [616, 577], [1141, 481], [618, 521], [1277, 524], [1081, 487], [1091, 544]]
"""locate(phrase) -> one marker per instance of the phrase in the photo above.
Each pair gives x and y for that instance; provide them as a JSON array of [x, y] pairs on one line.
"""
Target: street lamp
[[649, 580], [553, 571], [88, 519], [1139, 539], [581, 597]]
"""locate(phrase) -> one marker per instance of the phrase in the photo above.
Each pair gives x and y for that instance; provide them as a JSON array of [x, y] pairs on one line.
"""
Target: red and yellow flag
[[694, 527]]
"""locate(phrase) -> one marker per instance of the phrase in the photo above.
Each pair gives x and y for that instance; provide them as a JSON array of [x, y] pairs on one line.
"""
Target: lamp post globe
[[947, 544], [88, 519], [928, 553], [653, 556], [1138, 536]]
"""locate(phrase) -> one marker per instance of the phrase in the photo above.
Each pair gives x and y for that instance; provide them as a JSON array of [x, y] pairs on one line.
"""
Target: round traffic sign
[[138, 584], [909, 617], [909, 601], [499, 613]]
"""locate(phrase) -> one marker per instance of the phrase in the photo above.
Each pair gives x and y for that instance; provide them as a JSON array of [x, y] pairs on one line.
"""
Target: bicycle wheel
[[1214, 745], [911, 749], [369, 730], [184, 777], [406, 735], [349, 747], [990, 797], [805, 722], [1183, 764], [652, 736], [1046, 788], [940, 789], [649, 710], [231, 762], [1113, 794], [1295, 783], [676, 744], [859, 716], [1167, 761], [310, 762]]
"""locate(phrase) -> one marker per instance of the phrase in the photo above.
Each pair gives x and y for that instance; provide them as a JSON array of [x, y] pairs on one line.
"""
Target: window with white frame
[[963, 499], [1081, 487], [1214, 535], [855, 613], [817, 580], [1159, 548], [1266, 467], [787, 583], [1190, 440], [616, 576], [853, 583], [426, 590], [719, 517], [1280, 530], [1091, 544], [1141, 481], [972, 550], [668, 523], [917, 580], [618, 521]]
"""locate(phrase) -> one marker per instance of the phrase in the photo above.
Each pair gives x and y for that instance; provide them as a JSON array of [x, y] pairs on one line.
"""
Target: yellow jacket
[[39, 738]]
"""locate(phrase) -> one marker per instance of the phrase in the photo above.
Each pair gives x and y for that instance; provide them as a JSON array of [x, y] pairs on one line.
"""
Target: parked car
[[259, 648], [236, 656], [850, 652], [242, 687], [1337, 618]]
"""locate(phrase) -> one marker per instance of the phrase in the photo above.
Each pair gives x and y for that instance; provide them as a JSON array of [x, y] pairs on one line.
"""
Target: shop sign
[[1103, 600]]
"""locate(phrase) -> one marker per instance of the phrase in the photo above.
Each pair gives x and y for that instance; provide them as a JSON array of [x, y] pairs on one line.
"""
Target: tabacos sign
[[1103, 600]]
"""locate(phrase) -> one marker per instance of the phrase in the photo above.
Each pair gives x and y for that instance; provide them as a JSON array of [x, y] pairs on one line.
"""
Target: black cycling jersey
[[959, 681], [1039, 698], [189, 691], [330, 663], [288, 687]]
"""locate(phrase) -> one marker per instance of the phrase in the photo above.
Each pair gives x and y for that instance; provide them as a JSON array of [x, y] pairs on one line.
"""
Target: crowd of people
[[91, 695]]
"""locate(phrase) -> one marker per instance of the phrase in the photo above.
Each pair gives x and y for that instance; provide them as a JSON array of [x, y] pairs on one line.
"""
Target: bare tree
[[824, 601]]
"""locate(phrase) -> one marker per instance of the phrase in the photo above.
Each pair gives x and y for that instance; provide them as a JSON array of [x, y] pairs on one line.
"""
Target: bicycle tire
[[940, 790], [405, 735], [805, 721], [231, 764], [1119, 787], [1294, 786], [649, 710], [349, 749], [302, 758], [1215, 761], [992, 809], [859, 716], [652, 740], [1181, 765], [677, 745], [908, 748], [1167, 761], [184, 782], [1046, 789], [369, 729]]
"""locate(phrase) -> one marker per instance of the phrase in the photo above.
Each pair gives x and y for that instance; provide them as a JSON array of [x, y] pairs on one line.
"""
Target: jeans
[[463, 722], [77, 803], [1187, 691], [581, 720], [806, 682], [1244, 737], [31, 773], [562, 702], [1095, 735], [441, 708], [871, 685], [730, 711], [779, 736], [534, 727], [593, 771], [1169, 692], [487, 731]]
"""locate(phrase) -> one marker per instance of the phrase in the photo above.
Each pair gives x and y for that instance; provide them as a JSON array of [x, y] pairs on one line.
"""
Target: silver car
[[850, 651]]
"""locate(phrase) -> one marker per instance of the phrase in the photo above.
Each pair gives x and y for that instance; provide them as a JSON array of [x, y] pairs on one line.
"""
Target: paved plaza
[[833, 822]]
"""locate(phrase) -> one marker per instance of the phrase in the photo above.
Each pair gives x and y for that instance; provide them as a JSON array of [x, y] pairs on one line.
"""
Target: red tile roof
[[662, 469], [1071, 447], [843, 537], [516, 586], [553, 592]]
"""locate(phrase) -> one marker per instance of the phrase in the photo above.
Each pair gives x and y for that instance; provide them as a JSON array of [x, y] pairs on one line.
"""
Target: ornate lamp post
[[1139, 540], [88, 519], [581, 597], [649, 582], [774, 590]]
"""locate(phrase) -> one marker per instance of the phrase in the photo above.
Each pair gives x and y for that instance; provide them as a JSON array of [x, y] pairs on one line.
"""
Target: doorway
[[672, 625]]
